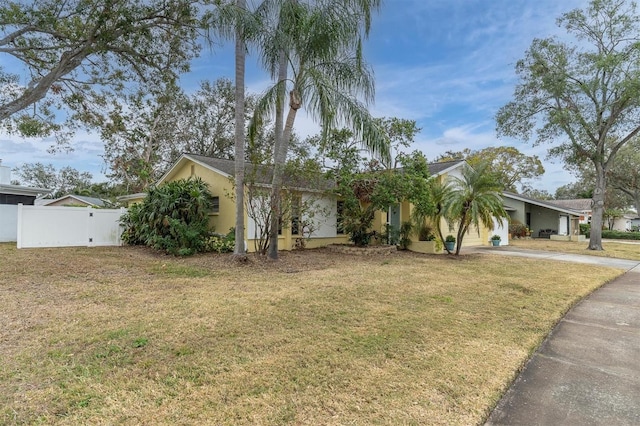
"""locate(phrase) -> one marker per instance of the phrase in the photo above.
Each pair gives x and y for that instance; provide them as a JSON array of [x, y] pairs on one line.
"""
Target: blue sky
[[448, 64]]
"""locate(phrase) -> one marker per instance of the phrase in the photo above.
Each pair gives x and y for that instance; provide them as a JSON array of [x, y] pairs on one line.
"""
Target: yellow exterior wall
[[219, 186]]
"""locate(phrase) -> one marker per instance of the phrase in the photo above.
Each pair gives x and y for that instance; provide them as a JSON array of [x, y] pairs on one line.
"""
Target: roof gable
[[444, 167], [259, 174], [92, 201]]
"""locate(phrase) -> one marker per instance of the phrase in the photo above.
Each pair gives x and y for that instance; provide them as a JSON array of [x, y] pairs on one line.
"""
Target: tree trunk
[[272, 251], [439, 230], [239, 249], [597, 209], [278, 167]]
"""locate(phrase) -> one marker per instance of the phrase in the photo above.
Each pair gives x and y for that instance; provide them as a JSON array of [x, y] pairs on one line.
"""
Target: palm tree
[[240, 55], [233, 21], [320, 46], [474, 199]]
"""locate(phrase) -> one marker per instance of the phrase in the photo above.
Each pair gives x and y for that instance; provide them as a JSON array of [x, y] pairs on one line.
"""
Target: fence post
[[19, 226], [123, 210], [90, 227]]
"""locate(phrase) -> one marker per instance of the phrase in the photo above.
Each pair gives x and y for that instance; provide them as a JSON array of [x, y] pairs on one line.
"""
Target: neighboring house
[[10, 197], [131, 199], [17, 194], [544, 218], [582, 205], [72, 200], [628, 222]]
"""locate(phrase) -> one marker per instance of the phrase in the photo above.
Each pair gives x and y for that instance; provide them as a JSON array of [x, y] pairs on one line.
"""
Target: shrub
[[405, 232], [219, 243], [496, 237], [585, 229], [450, 239], [621, 235], [425, 233], [173, 218], [517, 229]]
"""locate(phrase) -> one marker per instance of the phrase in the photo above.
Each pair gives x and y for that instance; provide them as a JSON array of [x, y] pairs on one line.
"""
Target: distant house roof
[[436, 169], [541, 203], [77, 199], [22, 190], [579, 204]]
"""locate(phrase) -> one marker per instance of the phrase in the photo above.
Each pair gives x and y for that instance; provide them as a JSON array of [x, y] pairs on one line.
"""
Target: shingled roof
[[579, 204], [263, 174]]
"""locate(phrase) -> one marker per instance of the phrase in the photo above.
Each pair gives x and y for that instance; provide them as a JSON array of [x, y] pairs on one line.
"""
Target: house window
[[215, 205], [339, 217], [296, 203], [193, 170]]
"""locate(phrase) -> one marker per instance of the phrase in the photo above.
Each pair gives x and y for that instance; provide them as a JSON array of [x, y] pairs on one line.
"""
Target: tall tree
[[585, 94], [66, 180], [510, 167], [147, 135], [319, 44], [473, 199], [79, 51], [401, 133], [624, 175], [240, 56], [141, 136]]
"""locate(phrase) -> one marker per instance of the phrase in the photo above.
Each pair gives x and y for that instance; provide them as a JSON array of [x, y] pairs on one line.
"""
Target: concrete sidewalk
[[587, 371]]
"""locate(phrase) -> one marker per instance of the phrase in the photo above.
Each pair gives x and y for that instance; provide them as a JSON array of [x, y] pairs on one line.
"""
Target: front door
[[394, 224], [563, 226]]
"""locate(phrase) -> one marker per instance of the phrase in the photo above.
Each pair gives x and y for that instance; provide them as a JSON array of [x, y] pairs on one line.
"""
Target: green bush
[[585, 228], [621, 235], [218, 243], [405, 232], [173, 217]]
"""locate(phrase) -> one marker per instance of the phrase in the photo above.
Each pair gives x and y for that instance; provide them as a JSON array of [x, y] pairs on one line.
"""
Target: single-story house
[[218, 173], [582, 205], [17, 194], [628, 222], [544, 218], [72, 200], [10, 196]]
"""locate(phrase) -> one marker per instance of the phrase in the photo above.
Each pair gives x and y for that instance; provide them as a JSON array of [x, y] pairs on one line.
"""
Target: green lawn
[[127, 336]]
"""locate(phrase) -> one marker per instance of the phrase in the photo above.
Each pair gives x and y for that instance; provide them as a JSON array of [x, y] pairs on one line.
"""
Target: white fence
[[43, 226], [8, 223]]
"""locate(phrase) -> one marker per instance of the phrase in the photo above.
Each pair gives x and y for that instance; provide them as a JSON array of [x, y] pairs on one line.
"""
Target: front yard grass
[[126, 336], [625, 249]]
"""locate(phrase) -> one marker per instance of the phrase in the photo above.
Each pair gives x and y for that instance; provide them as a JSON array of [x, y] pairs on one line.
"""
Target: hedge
[[619, 235]]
